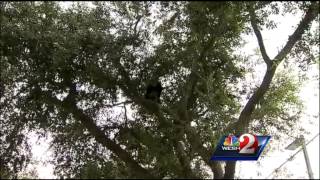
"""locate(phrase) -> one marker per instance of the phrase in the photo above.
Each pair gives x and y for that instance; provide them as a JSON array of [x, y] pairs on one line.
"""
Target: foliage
[[80, 74]]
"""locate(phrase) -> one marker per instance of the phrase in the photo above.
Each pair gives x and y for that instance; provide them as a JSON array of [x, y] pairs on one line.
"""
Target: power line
[[290, 158]]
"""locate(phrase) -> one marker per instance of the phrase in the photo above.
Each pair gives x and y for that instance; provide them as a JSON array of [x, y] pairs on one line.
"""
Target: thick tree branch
[[217, 170], [197, 146], [98, 134], [193, 77], [310, 15], [253, 20], [182, 119], [184, 160], [245, 116], [244, 119], [248, 109], [230, 170]]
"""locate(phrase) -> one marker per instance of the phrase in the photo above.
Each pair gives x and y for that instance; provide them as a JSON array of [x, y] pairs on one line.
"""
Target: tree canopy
[[80, 74]]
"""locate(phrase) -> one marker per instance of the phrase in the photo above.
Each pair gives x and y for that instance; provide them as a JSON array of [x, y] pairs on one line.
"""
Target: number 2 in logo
[[248, 144]]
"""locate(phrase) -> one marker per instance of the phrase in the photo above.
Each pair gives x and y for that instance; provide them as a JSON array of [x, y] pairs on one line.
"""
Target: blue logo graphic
[[244, 147]]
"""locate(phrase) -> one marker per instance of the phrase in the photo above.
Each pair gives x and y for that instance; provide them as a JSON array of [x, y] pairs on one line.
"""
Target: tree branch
[[193, 77], [259, 93], [125, 116], [253, 20], [182, 119], [245, 116], [230, 170], [310, 15], [98, 134], [139, 17], [184, 160], [117, 104], [197, 146]]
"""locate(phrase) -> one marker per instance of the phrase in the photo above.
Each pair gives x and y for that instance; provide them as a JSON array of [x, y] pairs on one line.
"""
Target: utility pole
[[294, 145], [306, 157], [301, 142]]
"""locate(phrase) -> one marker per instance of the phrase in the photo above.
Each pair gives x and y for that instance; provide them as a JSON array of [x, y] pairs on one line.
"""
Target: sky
[[274, 40]]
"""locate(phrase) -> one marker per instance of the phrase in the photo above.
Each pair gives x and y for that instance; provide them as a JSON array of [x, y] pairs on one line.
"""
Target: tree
[[81, 75]]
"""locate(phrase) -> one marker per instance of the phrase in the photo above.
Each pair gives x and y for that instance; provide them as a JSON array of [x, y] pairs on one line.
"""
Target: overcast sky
[[309, 94]]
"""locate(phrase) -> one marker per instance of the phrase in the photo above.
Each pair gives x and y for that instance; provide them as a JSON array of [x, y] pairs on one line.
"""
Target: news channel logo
[[243, 147]]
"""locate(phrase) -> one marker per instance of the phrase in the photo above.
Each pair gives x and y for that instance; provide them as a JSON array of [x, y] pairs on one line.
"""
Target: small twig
[[117, 104], [136, 24], [125, 116], [111, 127]]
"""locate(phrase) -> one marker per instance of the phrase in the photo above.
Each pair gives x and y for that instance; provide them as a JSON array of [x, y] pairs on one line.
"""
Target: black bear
[[154, 91]]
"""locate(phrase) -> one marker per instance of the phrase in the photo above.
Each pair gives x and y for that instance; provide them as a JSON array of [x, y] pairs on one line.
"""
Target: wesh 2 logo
[[244, 147]]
